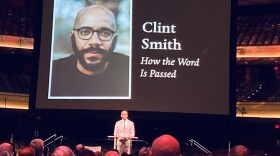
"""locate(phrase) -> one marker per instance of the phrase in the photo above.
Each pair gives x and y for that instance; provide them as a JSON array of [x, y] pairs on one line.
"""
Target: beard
[[92, 58]]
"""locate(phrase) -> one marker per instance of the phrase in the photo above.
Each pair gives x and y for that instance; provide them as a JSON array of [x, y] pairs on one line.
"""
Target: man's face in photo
[[93, 36]]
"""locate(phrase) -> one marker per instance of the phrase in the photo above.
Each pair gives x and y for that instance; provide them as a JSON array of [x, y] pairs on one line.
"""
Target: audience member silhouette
[[144, 151], [239, 150], [6, 149], [84, 152], [26, 151], [5, 153], [98, 153], [38, 146], [62, 151], [112, 153], [165, 145], [78, 147], [124, 154]]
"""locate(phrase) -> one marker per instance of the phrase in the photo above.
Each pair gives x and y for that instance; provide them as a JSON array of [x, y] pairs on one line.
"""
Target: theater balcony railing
[[258, 109], [16, 42], [14, 101]]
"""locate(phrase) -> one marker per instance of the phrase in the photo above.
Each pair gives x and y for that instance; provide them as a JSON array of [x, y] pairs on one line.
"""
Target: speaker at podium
[[124, 132]]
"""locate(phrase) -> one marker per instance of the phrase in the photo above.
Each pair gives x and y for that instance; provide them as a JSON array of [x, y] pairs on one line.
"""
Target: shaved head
[[62, 151], [6, 146], [239, 150], [165, 145], [112, 153], [38, 146], [97, 12], [26, 151]]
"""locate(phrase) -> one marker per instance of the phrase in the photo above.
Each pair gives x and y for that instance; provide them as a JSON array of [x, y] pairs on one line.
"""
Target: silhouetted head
[[6, 147], [38, 146], [239, 150], [26, 151], [85, 152], [144, 151], [62, 151], [112, 153], [165, 145], [79, 147]]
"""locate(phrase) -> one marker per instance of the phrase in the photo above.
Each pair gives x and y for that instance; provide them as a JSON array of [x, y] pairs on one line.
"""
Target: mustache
[[95, 48]]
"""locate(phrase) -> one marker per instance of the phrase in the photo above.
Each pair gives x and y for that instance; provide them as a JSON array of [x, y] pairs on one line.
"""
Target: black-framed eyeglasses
[[103, 34]]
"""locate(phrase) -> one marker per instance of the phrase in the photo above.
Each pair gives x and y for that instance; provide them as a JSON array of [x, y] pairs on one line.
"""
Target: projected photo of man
[[94, 69]]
